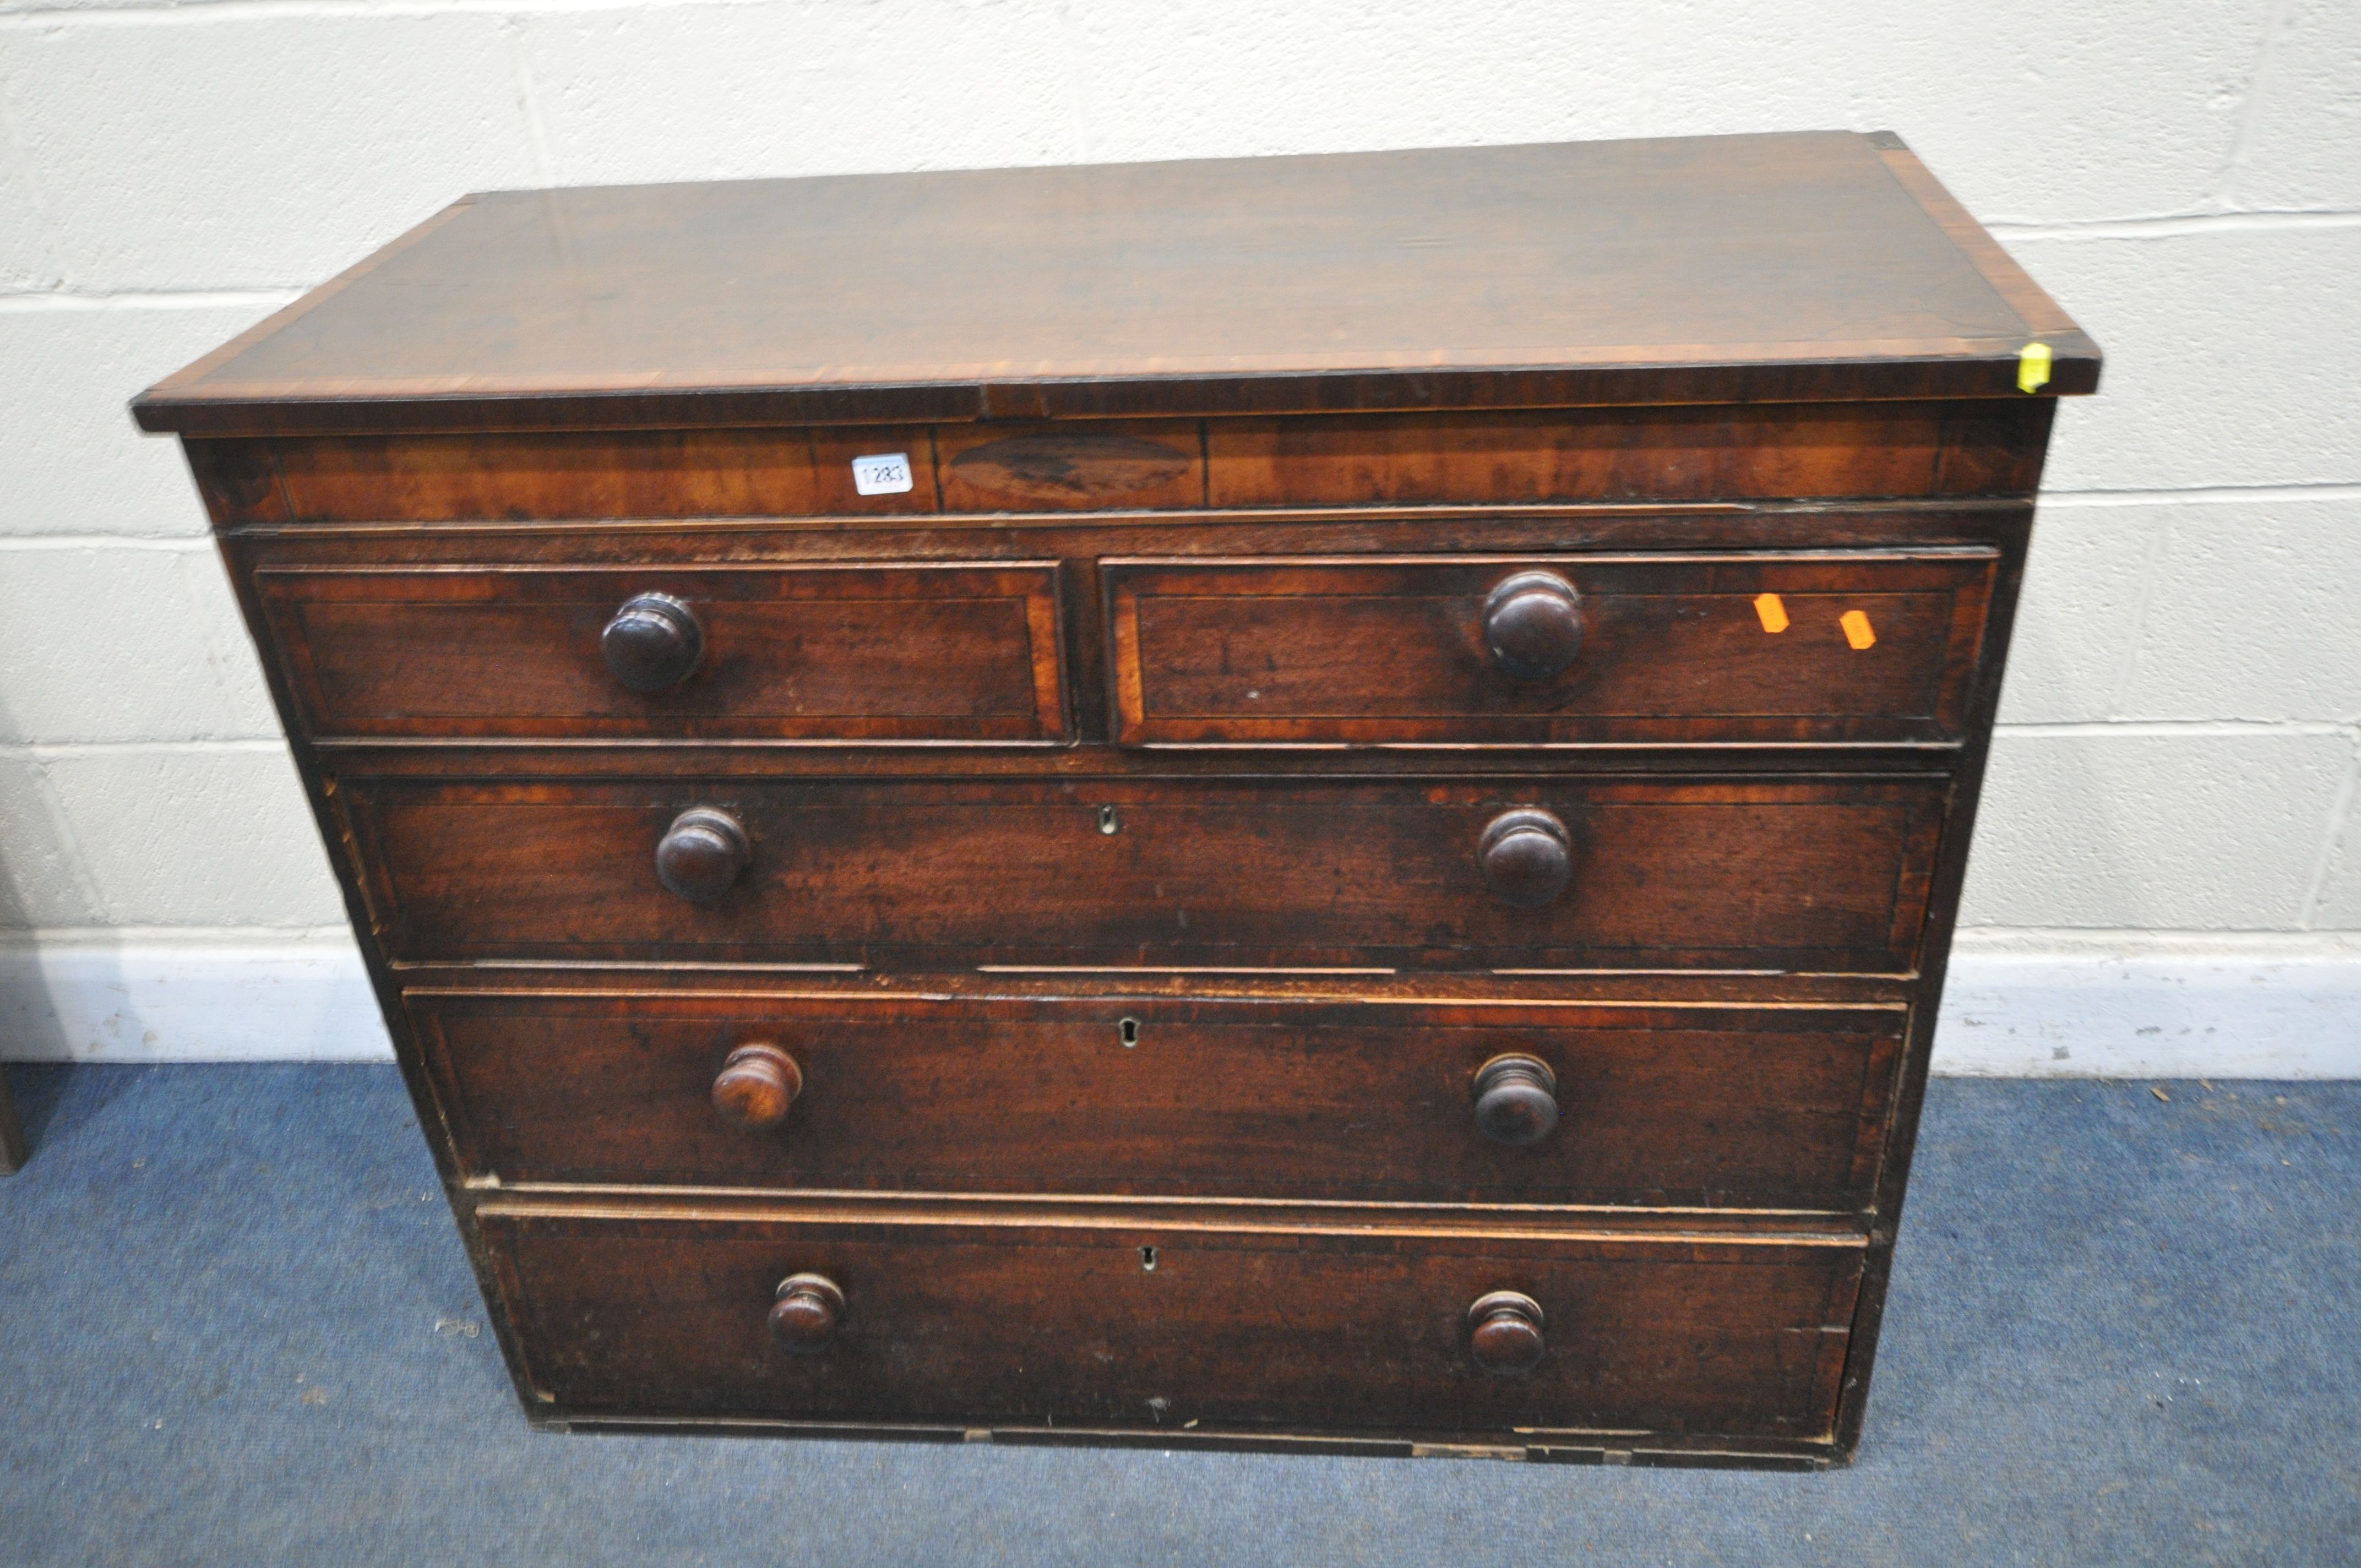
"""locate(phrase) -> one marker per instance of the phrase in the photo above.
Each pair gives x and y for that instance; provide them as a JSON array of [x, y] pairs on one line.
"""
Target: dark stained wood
[[881, 653], [1504, 1333], [673, 473], [805, 1312], [13, 1151], [1526, 857], [1761, 875], [1749, 268], [1677, 453], [992, 467], [756, 1086], [1073, 1326], [1305, 1217], [1671, 648], [1714, 526], [652, 642], [1532, 625], [2010, 282], [1900, 449], [1047, 983], [1082, 999], [1702, 1107], [1516, 1099], [702, 854], [239, 481]]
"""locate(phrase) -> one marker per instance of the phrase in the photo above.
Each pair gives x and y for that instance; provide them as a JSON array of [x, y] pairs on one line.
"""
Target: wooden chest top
[[1814, 266]]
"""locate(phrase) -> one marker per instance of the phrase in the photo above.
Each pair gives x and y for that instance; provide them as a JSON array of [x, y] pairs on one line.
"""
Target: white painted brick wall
[[2173, 795]]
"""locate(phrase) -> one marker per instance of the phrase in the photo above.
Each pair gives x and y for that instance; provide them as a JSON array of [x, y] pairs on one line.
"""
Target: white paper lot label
[[881, 474]]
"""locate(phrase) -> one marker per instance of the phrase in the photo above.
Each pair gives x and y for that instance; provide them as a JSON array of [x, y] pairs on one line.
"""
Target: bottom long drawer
[[1107, 1323]]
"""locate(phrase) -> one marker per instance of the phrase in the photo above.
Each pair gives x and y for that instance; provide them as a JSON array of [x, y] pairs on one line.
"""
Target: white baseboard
[[2183, 1014], [2166, 1014], [305, 999]]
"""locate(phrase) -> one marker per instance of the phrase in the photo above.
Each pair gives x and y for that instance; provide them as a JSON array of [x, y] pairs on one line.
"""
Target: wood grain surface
[[1674, 648], [1675, 453], [1748, 268], [882, 651], [1794, 874], [1131, 1326], [1712, 1107]]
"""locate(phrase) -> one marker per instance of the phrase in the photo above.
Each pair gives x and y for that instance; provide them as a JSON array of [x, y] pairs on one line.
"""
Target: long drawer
[[1692, 648], [1507, 1104], [1774, 874], [1082, 1323]]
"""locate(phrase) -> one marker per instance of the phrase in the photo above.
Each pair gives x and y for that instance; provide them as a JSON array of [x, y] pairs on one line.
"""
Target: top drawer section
[[1900, 450], [1543, 650], [945, 650]]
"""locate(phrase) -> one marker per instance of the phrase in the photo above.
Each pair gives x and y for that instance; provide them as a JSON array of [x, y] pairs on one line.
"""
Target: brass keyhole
[[1128, 1032], [1108, 822]]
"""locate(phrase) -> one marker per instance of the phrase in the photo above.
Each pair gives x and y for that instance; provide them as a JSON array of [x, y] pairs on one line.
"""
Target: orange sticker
[[1773, 613], [1857, 629]]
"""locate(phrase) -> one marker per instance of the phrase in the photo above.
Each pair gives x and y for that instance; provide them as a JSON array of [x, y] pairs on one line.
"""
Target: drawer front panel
[[1076, 467], [1705, 1106], [1071, 1327], [1712, 452], [519, 475], [1792, 874], [876, 652], [1680, 649], [1771, 451]]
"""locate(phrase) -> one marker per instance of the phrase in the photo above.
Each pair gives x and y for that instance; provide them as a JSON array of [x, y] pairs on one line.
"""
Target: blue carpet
[[237, 1327]]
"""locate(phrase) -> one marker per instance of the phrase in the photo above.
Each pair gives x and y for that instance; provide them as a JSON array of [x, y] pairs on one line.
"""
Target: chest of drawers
[[1310, 803]]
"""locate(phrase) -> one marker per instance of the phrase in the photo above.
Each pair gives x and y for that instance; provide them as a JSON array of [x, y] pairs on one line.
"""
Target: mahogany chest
[[1307, 803]]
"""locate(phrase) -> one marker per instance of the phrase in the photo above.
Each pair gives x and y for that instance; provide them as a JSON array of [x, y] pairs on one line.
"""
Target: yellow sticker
[[1857, 629], [1773, 613], [2033, 367]]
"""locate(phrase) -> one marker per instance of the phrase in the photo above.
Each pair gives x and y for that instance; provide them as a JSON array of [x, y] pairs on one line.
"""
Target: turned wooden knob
[[702, 853], [652, 642], [1527, 857], [805, 1316], [1515, 1099], [1533, 625], [757, 1084], [1504, 1333]]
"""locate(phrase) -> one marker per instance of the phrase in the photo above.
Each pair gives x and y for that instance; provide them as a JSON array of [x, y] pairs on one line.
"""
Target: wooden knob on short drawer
[[1515, 1099], [1527, 857], [702, 854], [1533, 625], [805, 1316], [1504, 1333], [655, 642], [756, 1086]]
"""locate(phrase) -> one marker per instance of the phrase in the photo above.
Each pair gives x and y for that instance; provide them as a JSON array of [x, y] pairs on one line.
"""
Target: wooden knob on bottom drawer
[[805, 1316], [702, 854], [1504, 1333], [1515, 1099], [1527, 857], [757, 1084]]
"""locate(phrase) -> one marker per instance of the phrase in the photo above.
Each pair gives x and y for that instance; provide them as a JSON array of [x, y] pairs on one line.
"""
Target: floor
[[236, 1327]]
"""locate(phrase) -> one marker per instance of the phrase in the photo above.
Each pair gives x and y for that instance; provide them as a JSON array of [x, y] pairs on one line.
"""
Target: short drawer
[[947, 652], [1715, 1107], [1517, 874], [1546, 649], [1067, 1322]]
